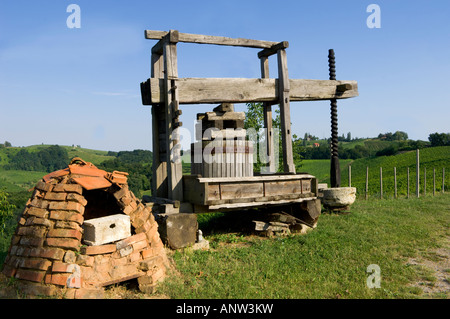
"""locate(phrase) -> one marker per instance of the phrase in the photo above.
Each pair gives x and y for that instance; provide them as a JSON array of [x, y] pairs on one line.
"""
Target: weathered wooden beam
[[210, 39], [285, 114], [273, 50], [267, 109], [174, 169], [237, 90]]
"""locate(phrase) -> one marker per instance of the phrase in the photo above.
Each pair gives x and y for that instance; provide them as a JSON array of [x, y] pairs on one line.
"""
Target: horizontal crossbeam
[[241, 90], [210, 39]]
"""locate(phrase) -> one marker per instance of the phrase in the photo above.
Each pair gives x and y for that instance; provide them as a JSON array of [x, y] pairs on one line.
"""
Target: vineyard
[[437, 158]]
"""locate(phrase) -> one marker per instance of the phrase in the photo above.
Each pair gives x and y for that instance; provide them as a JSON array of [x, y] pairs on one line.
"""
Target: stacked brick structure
[[47, 255]]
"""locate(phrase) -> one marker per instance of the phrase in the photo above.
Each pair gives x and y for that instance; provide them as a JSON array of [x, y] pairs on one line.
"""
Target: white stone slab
[[108, 229]]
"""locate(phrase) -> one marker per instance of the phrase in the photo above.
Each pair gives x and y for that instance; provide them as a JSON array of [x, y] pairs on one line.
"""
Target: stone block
[[108, 229], [177, 230]]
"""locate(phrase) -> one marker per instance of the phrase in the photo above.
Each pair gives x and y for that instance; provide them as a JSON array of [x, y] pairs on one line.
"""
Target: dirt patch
[[438, 263]]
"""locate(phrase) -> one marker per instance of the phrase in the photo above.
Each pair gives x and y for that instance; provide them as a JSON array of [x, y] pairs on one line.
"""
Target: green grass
[[329, 262], [320, 168]]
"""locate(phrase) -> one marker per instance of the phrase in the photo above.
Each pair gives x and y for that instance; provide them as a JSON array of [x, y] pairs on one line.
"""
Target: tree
[[439, 139], [254, 118], [7, 144]]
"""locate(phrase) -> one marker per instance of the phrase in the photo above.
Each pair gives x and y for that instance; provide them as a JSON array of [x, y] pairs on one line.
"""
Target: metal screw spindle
[[335, 174]]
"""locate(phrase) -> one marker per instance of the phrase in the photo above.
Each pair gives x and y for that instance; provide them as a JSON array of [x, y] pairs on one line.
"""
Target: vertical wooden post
[[159, 166], [285, 113], [349, 176], [424, 181], [417, 173], [367, 182], [381, 183], [174, 168], [395, 182], [407, 182], [434, 181], [268, 119]]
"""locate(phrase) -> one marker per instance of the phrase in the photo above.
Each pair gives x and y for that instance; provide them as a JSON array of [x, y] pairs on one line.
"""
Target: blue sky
[[81, 86]]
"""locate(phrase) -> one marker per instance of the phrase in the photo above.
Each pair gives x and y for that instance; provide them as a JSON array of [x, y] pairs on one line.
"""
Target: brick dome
[[49, 254]]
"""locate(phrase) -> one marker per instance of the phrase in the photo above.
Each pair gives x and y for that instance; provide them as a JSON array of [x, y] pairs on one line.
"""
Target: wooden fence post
[[381, 183], [395, 182], [417, 173], [434, 181], [443, 179], [367, 182], [349, 176], [424, 181]]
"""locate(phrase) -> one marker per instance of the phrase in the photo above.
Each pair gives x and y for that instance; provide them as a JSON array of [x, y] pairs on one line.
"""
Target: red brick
[[9, 271], [97, 250], [147, 253], [32, 241], [43, 186], [38, 221], [31, 275], [57, 279], [55, 196], [73, 197], [34, 231], [70, 225], [134, 256], [67, 216], [130, 240], [68, 188], [69, 206], [37, 202], [38, 212], [39, 264], [64, 233], [50, 253], [67, 243], [140, 245], [60, 267]]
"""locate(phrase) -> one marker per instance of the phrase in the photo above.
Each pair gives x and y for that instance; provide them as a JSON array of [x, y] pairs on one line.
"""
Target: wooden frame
[[165, 92]]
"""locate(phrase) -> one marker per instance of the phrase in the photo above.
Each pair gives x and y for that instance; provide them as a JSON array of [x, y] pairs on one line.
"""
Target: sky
[[81, 86]]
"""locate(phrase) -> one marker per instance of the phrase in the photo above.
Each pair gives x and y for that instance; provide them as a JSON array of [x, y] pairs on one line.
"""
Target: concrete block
[[108, 229], [177, 230]]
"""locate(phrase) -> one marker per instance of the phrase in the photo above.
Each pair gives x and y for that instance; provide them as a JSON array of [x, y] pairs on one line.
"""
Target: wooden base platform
[[233, 193]]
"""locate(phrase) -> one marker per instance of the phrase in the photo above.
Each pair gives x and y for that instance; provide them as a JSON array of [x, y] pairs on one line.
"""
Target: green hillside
[[14, 181]]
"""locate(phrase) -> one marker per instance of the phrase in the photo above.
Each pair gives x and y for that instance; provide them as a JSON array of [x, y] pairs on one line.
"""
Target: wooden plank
[[236, 205], [273, 50], [174, 166], [285, 113], [239, 90], [210, 39], [282, 187], [194, 192], [213, 192], [242, 190], [278, 177], [267, 109]]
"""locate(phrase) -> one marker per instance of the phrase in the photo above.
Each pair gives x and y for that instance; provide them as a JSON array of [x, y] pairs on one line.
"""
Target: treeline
[[371, 148], [47, 159], [137, 163]]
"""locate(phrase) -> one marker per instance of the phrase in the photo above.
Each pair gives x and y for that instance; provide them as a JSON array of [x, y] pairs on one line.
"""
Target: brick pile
[[47, 255]]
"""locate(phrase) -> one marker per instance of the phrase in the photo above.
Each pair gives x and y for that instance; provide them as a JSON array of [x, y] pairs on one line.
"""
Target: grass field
[[329, 262]]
